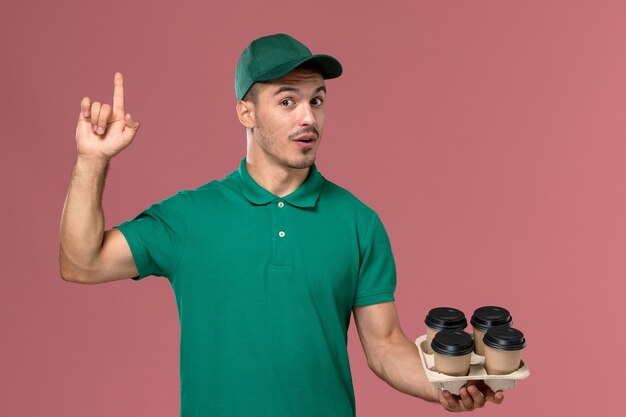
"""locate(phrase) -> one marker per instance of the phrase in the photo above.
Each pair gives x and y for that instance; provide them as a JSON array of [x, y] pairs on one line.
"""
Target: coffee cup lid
[[441, 318], [452, 343], [490, 316], [504, 338]]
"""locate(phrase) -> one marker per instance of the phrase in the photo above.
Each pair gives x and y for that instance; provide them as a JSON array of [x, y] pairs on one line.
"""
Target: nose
[[307, 117]]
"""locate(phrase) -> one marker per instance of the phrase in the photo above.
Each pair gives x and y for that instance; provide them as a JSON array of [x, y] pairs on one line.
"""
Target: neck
[[278, 180]]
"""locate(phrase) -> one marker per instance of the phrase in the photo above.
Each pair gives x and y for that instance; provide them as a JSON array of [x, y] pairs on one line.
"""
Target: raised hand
[[104, 131]]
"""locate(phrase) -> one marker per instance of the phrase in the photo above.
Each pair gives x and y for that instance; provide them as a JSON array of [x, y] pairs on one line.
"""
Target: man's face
[[289, 118]]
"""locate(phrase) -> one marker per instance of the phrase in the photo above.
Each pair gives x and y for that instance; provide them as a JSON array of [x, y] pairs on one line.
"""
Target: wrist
[[92, 160], [95, 167]]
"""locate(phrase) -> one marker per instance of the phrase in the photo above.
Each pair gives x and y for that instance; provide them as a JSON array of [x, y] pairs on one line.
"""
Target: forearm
[[82, 220], [396, 360], [398, 363]]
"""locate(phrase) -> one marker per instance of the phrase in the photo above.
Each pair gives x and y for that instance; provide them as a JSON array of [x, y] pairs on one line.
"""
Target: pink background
[[488, 135]]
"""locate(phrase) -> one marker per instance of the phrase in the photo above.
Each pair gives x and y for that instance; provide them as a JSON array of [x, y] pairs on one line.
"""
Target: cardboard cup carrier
[[500, 367]]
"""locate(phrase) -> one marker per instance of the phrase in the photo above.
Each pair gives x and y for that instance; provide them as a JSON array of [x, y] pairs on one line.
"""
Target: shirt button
[[281, 234], [281, 204]]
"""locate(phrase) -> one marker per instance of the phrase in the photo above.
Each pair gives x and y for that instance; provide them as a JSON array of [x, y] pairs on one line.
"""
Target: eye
[[286, 102], [317, 101]]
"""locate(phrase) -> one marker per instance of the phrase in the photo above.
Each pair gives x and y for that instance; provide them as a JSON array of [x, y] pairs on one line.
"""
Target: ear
[[245, 112]]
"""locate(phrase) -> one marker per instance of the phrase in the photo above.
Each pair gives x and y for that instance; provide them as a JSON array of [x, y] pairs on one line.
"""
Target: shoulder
[[346, 202], [336, 193], [180, 200], [214, 190]]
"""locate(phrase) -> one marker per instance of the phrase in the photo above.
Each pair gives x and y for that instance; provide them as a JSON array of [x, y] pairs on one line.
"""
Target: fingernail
[[93, 128], [86, 114], [100, 130]]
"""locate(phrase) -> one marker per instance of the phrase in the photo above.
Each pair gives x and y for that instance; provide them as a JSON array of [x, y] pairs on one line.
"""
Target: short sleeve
[[157, 235], [377, 268]]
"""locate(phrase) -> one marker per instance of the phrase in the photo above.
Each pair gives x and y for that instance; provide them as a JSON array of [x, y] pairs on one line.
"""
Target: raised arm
[[395, 359], [88, 254]]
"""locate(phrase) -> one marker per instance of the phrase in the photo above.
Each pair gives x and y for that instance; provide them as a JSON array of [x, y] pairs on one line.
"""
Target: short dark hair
[[253, 93]]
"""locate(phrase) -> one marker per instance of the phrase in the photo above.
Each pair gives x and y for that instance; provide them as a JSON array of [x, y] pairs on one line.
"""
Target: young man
[[267, 264]]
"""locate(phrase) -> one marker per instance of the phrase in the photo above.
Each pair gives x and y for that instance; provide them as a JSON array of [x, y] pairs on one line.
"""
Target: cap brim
[[328, 66]]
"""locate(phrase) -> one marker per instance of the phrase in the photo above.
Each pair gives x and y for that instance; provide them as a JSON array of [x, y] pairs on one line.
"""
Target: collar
[[304, 196]]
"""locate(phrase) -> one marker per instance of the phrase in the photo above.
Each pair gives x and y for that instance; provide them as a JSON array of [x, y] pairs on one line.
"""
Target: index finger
[[446, 400], [118, 94]]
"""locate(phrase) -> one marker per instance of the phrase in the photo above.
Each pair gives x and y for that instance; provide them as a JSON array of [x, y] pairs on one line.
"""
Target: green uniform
[[265, 288]]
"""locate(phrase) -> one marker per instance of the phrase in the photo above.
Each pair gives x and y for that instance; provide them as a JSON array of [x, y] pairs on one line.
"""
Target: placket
[[281, 231]]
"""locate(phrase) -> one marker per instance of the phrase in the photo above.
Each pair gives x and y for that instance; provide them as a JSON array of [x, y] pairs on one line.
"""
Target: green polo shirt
[[265, 287]]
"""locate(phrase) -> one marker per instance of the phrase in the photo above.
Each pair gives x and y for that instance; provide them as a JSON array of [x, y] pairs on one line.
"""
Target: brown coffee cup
[[442, 318], [503, 350], [485, 318], [452, 350]]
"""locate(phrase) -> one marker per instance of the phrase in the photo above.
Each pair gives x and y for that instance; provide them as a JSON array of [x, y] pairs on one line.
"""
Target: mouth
[[305, 140]]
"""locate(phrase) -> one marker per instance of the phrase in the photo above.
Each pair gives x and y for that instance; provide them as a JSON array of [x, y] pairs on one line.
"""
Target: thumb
[[130, 122]]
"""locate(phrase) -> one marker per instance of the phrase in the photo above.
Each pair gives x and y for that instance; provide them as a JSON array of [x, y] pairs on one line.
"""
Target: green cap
[[273, 56]]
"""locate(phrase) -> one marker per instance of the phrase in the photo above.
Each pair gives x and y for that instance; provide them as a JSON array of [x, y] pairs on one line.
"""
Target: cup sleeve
[[377, 269], [157, 236]]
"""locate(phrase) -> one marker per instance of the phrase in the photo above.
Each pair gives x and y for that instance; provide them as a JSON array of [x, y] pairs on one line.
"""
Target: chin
[[301, 163]]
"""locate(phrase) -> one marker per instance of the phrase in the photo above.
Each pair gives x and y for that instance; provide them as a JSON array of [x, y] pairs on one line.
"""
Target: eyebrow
[[284, 88]]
